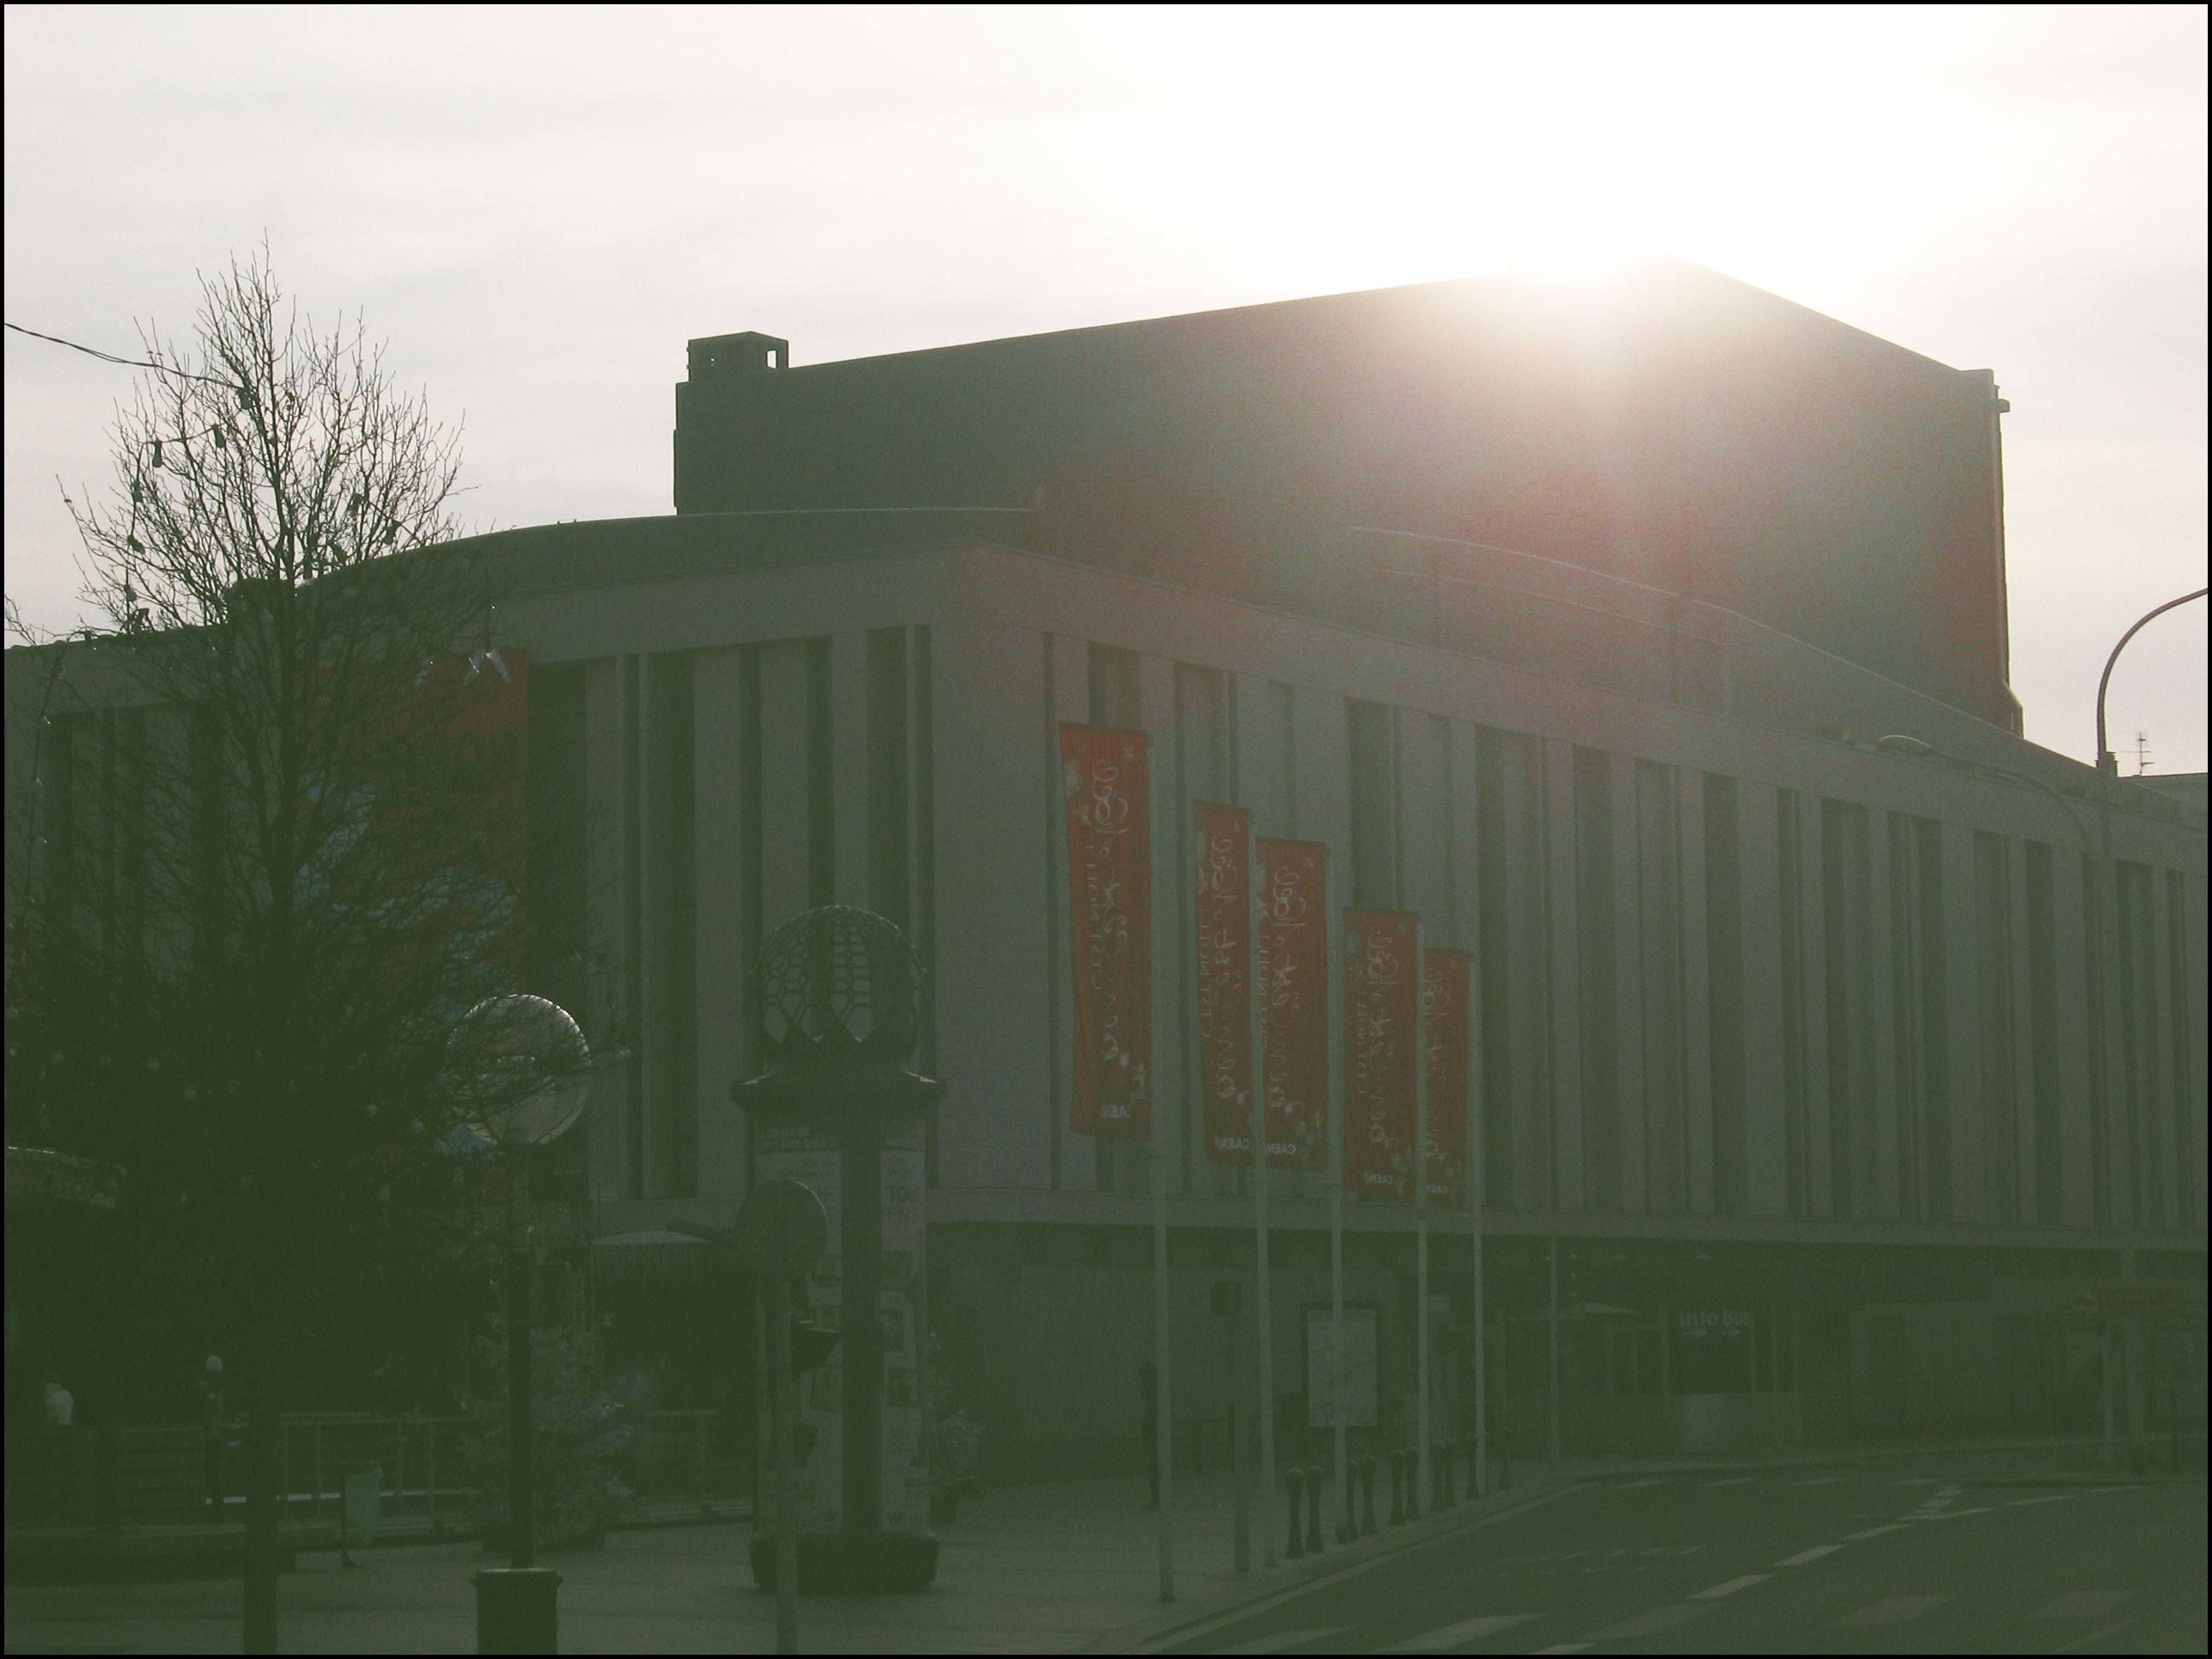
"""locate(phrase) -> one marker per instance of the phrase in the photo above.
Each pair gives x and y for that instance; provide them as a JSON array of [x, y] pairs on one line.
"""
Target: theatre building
[[1816, 1082]]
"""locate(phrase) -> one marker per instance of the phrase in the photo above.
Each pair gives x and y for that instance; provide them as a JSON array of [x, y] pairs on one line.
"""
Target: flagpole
[[1477, 1169], [1424, 1475], [1263, 1311], [1164, 1438], [1340, 1406]]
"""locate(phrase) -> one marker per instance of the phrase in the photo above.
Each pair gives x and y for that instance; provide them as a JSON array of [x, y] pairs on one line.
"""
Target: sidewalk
[[1055, 1567]]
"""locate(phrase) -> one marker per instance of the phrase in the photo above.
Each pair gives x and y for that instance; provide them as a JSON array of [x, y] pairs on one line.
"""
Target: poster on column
[[1223, 912], [1292, 937], [1109, 854], [1382, 1019], [905, 1497], [1447, 978], [791, 1152]]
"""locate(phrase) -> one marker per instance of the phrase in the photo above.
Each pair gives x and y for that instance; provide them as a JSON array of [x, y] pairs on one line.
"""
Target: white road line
[[1731, 1587], [1821, 1481], [2083, 1604], [2081, 1642], [1283, 1640], [1813, 1554], [1467, 1630], [1647, 1624], [1894, 1610], [1627, 1485], [1875, 1532], [2059, 1498], [1738, 1480], [1947, 1515]]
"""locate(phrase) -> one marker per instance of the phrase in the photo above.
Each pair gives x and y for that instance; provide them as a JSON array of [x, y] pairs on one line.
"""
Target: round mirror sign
[[782, 1228]]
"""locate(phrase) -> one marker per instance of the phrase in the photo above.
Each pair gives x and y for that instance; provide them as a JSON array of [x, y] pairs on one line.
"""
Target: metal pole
[[784, 1391], [521, 1483], [1263, 1316], [1477, 1173], [2107, 763], [1243, 1545], [1341, 1405], [1163, 1441], [1555, 1355], [1424, 1476]]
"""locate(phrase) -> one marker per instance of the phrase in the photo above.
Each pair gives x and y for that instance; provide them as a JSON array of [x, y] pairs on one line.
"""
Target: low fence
[[682, 1460]]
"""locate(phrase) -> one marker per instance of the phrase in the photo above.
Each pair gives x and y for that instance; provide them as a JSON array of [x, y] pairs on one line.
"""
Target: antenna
[[2143, 753]]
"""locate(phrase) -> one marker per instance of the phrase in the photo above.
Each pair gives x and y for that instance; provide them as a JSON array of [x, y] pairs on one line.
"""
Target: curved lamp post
[[524, 1071], [2107, 764]]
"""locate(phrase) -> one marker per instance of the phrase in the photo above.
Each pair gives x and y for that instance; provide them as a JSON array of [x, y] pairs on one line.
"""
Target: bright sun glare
[[1452, 141]]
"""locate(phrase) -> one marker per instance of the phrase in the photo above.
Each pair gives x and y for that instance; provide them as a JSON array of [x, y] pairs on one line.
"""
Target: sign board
[[1341, 1370]]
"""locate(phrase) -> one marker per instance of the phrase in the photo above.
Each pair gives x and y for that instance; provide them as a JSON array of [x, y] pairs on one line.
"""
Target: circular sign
[[782, 1228]]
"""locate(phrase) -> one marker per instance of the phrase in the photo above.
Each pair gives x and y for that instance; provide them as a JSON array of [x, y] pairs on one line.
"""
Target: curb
[[1342, 1559]]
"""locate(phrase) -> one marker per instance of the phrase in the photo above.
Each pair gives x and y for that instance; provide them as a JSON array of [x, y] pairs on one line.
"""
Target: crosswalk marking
[[1875, 1532], [1738, 1480], [1813, 1554], [1648, 1624], [1284, 1640], [1467, 1630], [1731, 1587], [1821, 1481], [2083, 1604], [1894, 1610]]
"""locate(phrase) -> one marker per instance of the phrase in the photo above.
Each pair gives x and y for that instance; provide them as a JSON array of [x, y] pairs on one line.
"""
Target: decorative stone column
[[840, 1110]]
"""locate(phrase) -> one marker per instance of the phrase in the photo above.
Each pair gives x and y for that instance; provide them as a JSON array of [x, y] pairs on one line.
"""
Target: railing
[[684, 1460]]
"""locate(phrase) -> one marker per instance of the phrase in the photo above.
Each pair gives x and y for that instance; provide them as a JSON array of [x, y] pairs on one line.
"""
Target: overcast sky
[[537, 206]]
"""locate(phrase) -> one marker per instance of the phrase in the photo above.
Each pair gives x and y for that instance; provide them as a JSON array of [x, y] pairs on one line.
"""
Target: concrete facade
[[1796, 1069]]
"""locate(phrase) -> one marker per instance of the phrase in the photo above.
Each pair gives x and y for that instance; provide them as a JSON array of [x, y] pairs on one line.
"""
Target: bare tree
[[277, 847]]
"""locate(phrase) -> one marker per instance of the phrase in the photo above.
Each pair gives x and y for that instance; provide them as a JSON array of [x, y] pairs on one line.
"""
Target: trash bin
[[516, 1610], [360, 1504]]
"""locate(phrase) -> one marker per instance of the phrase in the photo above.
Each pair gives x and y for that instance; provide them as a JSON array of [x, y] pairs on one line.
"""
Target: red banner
[[1382, 1017], [1447, 980], [1293, 940], [1223, 915], [1109, 845]]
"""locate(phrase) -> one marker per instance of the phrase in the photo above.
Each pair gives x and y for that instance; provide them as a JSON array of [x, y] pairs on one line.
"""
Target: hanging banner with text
[[1110, 849], [1293, 947], [1447, 1032], [1382, 1020], [1224, 915]]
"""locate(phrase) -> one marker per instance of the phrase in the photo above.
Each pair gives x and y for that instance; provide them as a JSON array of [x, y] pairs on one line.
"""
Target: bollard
[[1397, 1486], [1348, 1529], [1473, 1450], [1446, 1496], [515, 1610], [1314, 1479], [1295, 1545], [1367, 1480], [1412, 1484]]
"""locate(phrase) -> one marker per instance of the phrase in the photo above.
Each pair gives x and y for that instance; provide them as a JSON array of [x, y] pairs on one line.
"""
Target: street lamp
[[2108, 765], [523, 1069]]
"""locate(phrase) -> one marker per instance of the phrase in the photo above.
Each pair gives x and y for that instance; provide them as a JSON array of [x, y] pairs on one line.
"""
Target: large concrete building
[[1568, 619]]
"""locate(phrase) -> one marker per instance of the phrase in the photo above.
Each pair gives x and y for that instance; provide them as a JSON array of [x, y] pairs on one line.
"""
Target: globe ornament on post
[[840, 1110]]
